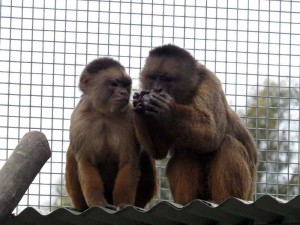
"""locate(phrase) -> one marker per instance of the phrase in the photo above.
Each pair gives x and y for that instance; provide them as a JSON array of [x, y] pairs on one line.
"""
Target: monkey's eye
[[152, 76], [167, 79], [114, 84]]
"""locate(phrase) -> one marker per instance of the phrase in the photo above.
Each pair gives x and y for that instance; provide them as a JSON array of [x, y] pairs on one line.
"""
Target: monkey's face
[[169, 75], [110, 90]]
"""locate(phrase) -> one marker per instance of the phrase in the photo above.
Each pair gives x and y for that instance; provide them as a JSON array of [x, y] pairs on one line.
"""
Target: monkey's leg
[[185, 177], [72, 183], [124, 192], [229, 174], [91, 184]]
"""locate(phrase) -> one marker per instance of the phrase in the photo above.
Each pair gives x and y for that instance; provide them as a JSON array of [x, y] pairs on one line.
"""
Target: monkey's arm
[[196, 128], [126, 183], [72, 182], [91, 184], [200, 125], [151, 137]]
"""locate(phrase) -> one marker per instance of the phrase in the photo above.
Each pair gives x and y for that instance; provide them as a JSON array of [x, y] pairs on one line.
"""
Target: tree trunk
[[20, 170]]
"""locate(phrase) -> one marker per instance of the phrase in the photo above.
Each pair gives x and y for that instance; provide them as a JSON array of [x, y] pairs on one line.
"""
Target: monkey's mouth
[[121, 99]]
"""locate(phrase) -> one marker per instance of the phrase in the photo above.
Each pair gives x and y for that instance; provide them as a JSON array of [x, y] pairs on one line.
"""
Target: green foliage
[[268, 119]]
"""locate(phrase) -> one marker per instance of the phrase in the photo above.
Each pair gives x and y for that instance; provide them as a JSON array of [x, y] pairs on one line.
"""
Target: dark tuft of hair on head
[[101, 64], [171, 51]]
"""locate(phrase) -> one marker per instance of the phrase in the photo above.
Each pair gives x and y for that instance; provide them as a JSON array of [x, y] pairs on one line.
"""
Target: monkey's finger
[[136, 95], [145, 92], [165, 96], [160, 103], [158, 97], [138, 110], [136, 103], [151, 107], [150, 114]]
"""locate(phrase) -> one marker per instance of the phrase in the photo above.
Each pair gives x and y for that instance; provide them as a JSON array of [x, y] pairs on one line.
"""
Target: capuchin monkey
[[105, 163], [183, 111]]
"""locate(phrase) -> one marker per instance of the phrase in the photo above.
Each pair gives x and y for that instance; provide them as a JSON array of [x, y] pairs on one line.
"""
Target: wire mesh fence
[[252, 46]]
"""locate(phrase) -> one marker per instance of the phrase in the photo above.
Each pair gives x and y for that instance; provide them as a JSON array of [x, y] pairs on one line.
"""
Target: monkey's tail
[[147, 186]]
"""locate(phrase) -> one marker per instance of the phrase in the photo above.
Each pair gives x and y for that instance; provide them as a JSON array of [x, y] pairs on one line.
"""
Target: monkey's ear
[[201, 69], [83, 82]]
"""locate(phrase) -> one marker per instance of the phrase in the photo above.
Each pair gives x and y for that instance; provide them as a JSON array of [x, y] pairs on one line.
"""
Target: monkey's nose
[[157, 89], [123, 93]]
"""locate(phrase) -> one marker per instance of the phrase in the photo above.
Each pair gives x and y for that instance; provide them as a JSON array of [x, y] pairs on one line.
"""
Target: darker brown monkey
[[183, 111], [105, 164]]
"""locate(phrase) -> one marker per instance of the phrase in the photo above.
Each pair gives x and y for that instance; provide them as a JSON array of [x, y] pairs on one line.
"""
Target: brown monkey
[[105, 164], [183, 110]]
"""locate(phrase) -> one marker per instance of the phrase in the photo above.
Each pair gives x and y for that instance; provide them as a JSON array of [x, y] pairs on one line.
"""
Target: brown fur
[[104, 157], [213, 156]]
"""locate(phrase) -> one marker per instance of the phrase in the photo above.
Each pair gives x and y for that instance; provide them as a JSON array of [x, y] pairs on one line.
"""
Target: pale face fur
[[104, 99]]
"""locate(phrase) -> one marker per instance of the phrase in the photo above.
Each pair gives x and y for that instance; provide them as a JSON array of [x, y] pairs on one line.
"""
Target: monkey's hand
[[160, 106], [138, 102]]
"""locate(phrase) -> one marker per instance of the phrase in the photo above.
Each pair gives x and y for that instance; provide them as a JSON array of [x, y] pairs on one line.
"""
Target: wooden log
[[20, 169]]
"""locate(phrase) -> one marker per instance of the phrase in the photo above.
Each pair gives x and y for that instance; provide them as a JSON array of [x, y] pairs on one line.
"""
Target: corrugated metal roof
[[265, 210]]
